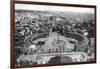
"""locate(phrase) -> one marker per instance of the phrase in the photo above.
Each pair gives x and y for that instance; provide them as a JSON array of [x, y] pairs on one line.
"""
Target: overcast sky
[[53, 8]]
